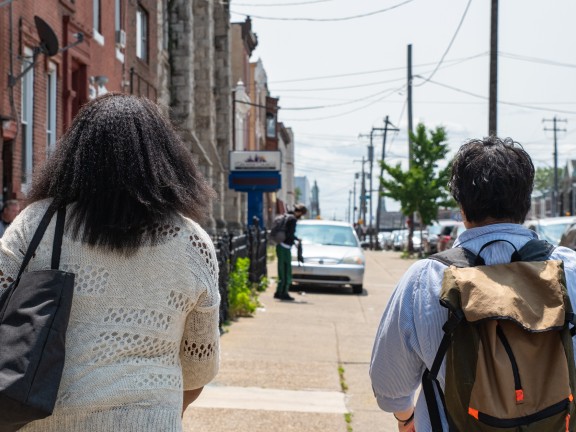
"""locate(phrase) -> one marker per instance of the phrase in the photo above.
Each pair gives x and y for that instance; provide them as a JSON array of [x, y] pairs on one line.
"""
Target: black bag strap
[[430, 376], [37, 237], [58, 234]]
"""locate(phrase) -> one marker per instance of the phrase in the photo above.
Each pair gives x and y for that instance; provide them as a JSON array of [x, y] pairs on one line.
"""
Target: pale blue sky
[[537, 69]]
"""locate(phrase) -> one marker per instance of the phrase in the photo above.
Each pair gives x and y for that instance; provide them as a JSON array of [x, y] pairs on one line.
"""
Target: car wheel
[[357, 289]]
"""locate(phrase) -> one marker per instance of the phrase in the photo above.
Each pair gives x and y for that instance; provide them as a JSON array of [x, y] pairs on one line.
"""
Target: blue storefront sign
[[255, 183]]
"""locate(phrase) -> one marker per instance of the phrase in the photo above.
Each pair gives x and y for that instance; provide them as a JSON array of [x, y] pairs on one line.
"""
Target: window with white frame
[[27, 120], [97, 22], [117, 15], [96, 16], [51, 108], [142, 34], [119, 33]]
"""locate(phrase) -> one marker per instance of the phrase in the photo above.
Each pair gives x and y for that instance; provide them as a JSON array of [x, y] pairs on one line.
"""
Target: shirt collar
[[499, 228]]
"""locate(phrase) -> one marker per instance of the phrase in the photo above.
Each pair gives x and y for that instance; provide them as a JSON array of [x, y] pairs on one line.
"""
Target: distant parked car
[[418, 238], [438, 235], [389, 241], [551, 228], [398, 239], [568, 238], [458, 229], [332, 255], [383, 238]]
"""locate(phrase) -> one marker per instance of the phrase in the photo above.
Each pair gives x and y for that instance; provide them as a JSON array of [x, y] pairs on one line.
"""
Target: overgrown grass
[[242, 297]]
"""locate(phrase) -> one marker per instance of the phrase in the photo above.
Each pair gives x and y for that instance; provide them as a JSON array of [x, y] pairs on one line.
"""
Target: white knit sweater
[[142, 329]]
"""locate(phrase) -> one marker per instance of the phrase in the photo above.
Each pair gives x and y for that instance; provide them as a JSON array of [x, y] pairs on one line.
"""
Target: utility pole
[[492, 111], [409, 105], [362, 209], [555, 129], [354, 199], [349, 206], [363, 194], [371, 160], [379, 208]]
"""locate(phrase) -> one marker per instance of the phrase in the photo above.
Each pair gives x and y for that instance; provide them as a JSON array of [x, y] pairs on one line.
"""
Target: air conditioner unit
[[121, 38]]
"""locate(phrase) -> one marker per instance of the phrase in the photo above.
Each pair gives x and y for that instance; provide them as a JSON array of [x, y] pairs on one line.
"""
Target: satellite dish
[[48, 40], [48, 46]]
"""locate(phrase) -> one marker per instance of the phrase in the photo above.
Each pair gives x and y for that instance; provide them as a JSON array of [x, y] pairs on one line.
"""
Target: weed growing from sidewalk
[[344, 387], [263, 284], [348, 418], [343, 384]]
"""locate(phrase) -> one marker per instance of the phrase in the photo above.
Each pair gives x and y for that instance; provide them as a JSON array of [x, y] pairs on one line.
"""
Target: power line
[[282, 4], [338, 88], [326, 19], [337, 104], [454, 62], [535, 60], [347, 112], [375, 71], [500, 101], [450, 44]]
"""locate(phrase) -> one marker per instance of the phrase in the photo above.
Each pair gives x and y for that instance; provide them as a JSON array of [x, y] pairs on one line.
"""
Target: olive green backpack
[[507, 343]]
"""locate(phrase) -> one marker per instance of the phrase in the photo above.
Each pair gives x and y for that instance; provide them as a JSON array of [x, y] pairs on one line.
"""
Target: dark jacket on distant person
[[290, 229]]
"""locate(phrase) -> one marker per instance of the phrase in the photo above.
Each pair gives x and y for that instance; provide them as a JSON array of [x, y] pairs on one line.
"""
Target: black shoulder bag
[[34, 313]]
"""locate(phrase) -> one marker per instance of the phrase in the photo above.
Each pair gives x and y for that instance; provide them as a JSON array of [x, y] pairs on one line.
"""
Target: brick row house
[[256, 117], [180, 53]]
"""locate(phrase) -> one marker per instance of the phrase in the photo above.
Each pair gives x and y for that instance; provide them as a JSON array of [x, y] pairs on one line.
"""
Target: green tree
[[423, 188], [544, 179], [297, 194]]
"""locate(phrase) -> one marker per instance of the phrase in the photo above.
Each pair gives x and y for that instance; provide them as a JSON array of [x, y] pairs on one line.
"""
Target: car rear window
[[326, 235]]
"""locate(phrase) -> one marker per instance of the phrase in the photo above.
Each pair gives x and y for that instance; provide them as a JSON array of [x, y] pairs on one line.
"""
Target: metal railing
[[229, 247]]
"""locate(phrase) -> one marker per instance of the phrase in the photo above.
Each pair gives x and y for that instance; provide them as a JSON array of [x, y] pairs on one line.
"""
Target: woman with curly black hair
[[143, 335]]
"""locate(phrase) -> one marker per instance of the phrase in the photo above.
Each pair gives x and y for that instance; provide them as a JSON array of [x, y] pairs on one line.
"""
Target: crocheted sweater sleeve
[[200, 345]]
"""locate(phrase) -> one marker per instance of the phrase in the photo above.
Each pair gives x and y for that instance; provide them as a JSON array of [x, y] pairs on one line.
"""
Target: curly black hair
[[124, 168], [492, 178]]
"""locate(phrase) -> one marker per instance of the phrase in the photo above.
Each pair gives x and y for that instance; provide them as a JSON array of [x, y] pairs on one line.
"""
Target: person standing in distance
[[284, 256], [10, 210]]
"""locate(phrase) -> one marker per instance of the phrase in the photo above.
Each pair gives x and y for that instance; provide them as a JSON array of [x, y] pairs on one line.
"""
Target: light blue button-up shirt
[[411, 328]]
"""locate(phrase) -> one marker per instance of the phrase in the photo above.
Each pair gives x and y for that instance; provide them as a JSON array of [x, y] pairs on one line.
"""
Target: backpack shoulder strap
[[458, 256], [533, 250], [536, 250]]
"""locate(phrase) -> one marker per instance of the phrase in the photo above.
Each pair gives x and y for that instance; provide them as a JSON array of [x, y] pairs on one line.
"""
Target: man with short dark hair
[[492, 182], [284, 255], [10, 210]]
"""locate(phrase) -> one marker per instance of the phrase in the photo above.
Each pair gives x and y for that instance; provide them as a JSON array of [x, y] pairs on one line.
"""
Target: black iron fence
[[229, 247]]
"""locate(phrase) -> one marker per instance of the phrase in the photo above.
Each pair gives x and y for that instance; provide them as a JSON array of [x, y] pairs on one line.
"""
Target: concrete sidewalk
[[280, 369]]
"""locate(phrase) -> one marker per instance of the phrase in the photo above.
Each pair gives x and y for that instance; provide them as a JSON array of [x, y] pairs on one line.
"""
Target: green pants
[[284, 257]]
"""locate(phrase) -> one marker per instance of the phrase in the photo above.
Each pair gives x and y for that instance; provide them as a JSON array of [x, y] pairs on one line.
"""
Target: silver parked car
[[332, 255], [550, 228]]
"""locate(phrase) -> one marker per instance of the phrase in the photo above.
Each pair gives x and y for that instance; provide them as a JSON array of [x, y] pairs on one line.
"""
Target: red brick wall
[[66, 17]]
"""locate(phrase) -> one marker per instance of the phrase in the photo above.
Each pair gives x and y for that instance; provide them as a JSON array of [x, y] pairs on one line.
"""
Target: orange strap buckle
[[473, 412]]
